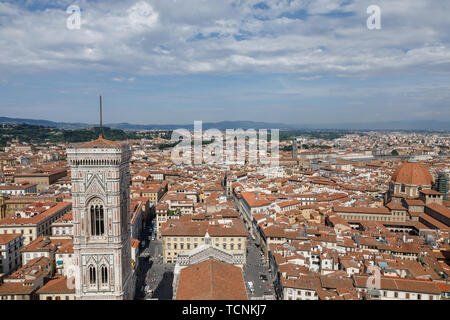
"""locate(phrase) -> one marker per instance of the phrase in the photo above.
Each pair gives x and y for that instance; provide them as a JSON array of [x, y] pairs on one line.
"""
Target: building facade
[[10, 258], [101, 202]]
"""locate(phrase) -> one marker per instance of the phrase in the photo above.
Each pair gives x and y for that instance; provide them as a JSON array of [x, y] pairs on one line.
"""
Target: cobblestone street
[[254, 268], [155, 278]]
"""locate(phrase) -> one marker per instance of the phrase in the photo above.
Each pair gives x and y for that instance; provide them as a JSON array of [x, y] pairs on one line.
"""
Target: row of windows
[[96, 162], [188, 246], [406, 295], [299, 292], [63, 231], [365, 217], [57, 298], [224, 239]]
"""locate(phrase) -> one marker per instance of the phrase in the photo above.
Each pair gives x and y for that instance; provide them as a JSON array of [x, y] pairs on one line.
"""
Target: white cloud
[[142, 16], [123, 79], [199, 36]]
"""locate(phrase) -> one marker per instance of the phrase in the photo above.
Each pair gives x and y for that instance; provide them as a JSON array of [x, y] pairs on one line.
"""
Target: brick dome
[[412, 173]]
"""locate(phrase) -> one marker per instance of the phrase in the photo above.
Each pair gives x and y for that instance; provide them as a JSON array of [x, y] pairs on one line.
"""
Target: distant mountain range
[[419, 125]]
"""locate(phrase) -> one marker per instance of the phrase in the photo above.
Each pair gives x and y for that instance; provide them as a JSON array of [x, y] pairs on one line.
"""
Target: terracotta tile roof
[[255, 201], [37, 218], [100, 142], [399, 284], [414, 202], [16, 288], [430, 191], [186, 227], [335, 282], [41, 244], [395, 206], [305, 282], [413, 173], [66, 247], [288, 203], [6, 238], [440, 209], [56, 285], [211, 280], [36, 267], [361, 210]]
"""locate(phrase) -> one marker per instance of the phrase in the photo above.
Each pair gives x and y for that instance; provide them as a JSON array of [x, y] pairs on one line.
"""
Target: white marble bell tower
[[100, 207]]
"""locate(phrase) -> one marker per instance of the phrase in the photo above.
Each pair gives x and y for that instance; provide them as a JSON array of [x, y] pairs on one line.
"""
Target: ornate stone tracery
[[101, 236]]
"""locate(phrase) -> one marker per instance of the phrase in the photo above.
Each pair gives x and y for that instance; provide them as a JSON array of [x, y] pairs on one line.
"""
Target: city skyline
[[293, 62]]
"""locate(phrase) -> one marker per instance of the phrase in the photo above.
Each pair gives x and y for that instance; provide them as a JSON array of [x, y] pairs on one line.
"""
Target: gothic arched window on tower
[[92, 275], [104, 272], [97, 219]]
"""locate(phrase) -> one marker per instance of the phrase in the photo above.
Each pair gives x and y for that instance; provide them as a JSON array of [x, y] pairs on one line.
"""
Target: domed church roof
[[412, 173]]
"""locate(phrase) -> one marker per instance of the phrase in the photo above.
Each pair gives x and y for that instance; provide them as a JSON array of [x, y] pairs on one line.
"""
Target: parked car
[[250, 286]]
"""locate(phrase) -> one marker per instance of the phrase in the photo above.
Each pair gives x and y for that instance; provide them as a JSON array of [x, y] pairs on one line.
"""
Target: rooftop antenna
[[101, 116]]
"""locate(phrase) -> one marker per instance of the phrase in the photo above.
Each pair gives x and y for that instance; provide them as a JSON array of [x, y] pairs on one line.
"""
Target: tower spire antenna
[[101, 117]]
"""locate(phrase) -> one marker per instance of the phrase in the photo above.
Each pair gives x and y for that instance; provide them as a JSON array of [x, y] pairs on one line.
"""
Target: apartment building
[[184, 235], [63, 226], [42, 178], [18, 189], [397, 288], [163, 214], [10, 258], [23, 283], [58, 288], [35, 221]]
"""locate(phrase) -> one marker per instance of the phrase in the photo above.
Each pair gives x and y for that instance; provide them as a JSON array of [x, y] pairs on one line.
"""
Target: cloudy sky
[[175, 61]]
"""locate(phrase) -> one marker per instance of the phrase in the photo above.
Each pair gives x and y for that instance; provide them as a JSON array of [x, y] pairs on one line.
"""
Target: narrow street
[[154, 280], [254, 268], [144, 264]]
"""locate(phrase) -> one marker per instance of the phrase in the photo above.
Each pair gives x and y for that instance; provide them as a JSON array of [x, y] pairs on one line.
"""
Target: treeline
[[171, 145], [325, 135], [40, 134]]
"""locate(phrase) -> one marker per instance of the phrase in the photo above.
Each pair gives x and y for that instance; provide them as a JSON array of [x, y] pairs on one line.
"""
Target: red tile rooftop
[[367, 210], [37, 218], [440, 209], [6, 238], [412, 173], [185, 227], [211, 280], [430, 192], [254, 200], [100, 142], [55, 286]]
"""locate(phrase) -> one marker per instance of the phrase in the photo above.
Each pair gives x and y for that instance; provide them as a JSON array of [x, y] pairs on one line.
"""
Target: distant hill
[[420, 125], [45, 123]]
